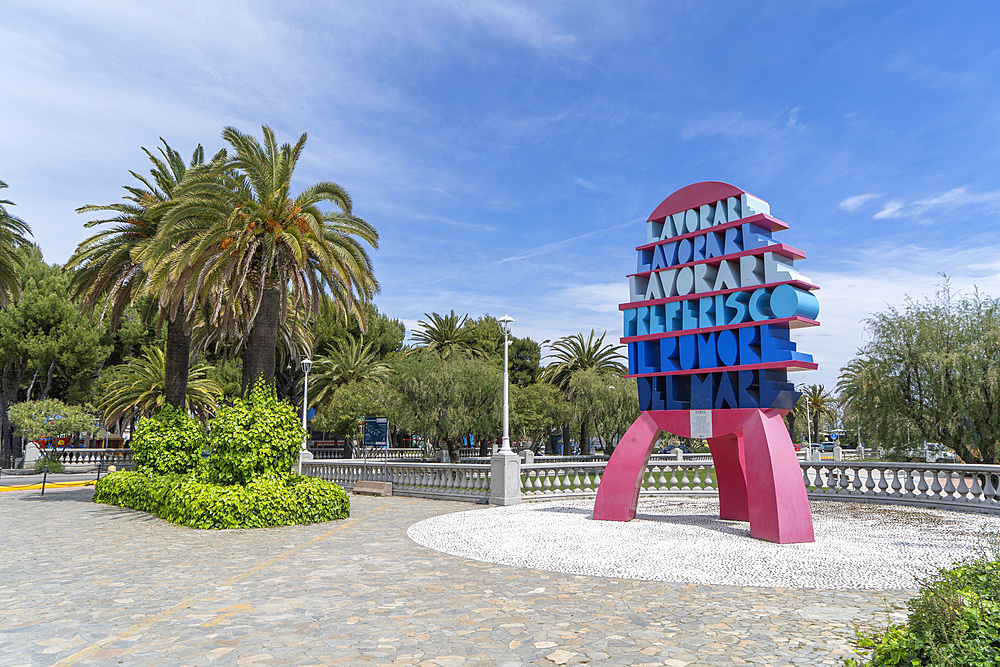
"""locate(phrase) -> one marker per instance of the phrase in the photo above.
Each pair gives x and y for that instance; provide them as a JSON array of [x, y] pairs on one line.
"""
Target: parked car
[[670, 449]]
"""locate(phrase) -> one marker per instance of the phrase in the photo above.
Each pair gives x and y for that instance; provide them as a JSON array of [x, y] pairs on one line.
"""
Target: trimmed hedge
[[188, 501]]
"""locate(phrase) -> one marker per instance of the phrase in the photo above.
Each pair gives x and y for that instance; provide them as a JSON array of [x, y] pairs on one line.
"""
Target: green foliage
[[340, 413], [535, 410], [608, 400], [931, 372], [53, 464], [140, 385], [256, 437], [13, 231], [451, 333], [188, 501], [955, 620], [49, 418], [444, 399], [170, 442]]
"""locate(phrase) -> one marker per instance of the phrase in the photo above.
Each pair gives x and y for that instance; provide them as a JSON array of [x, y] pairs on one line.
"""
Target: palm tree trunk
[[566, 450], [177, 352], [585, 437], [259, 354]]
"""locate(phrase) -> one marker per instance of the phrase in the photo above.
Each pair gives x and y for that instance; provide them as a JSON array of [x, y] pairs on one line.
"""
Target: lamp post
[[505, 441], [306, 367]]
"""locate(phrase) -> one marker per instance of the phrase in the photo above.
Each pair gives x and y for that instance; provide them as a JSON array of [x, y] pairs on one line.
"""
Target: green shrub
[[954, 621], [186, 500], [54, 464], [258, 437], [170, 442]]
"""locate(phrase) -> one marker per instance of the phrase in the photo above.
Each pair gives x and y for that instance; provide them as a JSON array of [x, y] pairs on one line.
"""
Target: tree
[[446, 400], [573, 354], [45, 341], [932, 368], [609, 401], [351, 360], [109, 271], [535, 410], [139, 389], [346, 404], [447, 334], [819, 404], [12, 236], [244, 243]]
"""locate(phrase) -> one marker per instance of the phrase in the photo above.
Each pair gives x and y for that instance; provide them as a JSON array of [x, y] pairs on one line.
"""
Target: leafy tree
[[383, 333], [573, 354], [523, 361], [45, 342], [12, 236], [447, 399], [346, 404], [933, 368], [447, 334], [251, 249], [139, 389], [535, 410], [109, 271], [49, 418], [608, 400]]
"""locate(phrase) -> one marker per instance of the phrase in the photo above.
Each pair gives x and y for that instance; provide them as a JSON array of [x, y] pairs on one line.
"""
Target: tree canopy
[[931, 370]]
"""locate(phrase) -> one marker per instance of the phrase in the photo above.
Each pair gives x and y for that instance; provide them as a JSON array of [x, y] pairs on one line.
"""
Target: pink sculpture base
[[758, 473]]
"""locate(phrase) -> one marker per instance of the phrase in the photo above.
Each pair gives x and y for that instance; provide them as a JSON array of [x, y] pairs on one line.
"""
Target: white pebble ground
[[858, 546]]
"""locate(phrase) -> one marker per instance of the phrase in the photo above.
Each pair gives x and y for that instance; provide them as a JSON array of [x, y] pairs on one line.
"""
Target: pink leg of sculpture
[[618, 494], [730, 476], [779, 508]]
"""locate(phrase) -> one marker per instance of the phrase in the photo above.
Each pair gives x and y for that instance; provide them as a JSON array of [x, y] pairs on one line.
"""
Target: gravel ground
[[857, 546]]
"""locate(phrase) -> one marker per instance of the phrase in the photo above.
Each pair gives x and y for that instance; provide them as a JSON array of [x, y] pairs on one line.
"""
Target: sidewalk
[[92, 584]]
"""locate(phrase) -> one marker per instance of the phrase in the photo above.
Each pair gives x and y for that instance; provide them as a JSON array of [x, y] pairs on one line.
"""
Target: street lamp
[[306, 366], [505, 442]]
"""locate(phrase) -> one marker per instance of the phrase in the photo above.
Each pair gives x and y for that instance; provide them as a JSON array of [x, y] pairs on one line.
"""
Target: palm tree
[[574, 354], [109, 268], [820, 404], [350, 360], [447, 334], [12, 233], [243, 243], [139, 389]]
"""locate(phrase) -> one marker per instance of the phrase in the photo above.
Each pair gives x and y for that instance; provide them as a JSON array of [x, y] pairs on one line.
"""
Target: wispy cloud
[[587, 184], [556, 245], [943, 203], [793, 117], [852, 204]]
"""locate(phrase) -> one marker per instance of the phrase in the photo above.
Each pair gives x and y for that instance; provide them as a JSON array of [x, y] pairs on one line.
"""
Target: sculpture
[[707, 330]]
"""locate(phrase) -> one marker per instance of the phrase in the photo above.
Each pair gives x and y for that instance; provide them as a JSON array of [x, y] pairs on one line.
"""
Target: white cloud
[[892, 209], [852, 204], [943, 203]]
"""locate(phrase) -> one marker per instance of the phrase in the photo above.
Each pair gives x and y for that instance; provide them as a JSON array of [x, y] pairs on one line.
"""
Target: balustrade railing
[[955, 486], [446, 481], [87, 456], [375, 453], [941, 485], [546, 480]]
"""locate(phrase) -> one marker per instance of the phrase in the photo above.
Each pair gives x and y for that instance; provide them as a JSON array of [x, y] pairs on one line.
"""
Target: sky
[[509, 153]]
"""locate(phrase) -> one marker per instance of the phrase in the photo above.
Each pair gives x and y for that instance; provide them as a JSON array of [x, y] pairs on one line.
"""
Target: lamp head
[[306, 365]]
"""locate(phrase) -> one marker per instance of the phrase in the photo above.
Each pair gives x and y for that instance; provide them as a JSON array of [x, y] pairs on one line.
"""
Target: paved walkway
[[82, 583]]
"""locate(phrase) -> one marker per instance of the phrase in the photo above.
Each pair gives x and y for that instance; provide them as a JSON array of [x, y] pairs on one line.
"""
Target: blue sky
[[510, 152]]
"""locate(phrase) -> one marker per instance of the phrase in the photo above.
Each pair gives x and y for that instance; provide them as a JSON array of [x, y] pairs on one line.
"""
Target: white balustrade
[[954, 486], [445, 481]]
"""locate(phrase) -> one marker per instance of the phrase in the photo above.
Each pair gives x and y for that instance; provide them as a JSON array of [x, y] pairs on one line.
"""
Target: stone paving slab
[[87, 584]]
